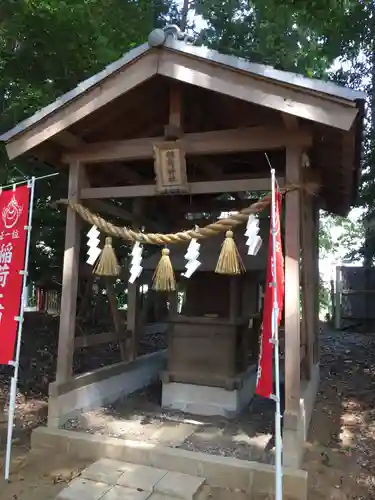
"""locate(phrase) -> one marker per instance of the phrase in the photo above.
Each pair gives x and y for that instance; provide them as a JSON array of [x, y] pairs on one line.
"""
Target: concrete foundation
[[210, 401], [103, 386], [296, 427], [249, 478]]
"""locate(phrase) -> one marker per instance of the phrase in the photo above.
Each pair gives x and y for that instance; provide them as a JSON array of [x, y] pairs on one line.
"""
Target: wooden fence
[[354, 295]]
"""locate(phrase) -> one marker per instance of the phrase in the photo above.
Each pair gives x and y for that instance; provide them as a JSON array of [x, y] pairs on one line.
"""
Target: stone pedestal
[[210, 401]]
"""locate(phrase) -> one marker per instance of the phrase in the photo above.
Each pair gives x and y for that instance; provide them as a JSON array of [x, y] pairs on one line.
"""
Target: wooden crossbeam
[[201, 143], [224, 186], [72, 142], [98, 338], [112, 209]]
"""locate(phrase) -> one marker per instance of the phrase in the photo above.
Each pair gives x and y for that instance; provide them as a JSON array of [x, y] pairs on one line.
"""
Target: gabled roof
[[328, 90], [76, 92]]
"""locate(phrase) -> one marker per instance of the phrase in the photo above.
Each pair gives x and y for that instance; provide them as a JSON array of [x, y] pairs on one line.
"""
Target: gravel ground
[[340, 453], [140, 417]]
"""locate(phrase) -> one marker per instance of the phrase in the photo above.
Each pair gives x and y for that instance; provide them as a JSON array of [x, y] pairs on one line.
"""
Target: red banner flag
[[264, 385], [14, 209]]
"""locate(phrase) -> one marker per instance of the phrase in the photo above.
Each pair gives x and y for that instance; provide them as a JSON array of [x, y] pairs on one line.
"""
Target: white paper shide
[[93, 243], [135, 266], [191, 257], [254, 241]]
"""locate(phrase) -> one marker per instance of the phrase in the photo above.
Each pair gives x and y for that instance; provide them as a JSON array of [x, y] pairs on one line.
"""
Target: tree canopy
[[48, 46]]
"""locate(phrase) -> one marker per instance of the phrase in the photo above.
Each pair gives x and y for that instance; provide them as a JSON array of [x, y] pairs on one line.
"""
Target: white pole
[[15, 363], [275, 340]]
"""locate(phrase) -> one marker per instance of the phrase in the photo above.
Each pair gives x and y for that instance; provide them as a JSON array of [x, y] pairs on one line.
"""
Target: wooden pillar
[[70, 279], [116, 317], [308, 281], [132, 321], [173, 304], [292, 282], [132, 317], [316, 280]]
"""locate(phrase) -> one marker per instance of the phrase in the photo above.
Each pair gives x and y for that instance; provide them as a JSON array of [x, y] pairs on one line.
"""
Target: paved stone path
[[112, 480]]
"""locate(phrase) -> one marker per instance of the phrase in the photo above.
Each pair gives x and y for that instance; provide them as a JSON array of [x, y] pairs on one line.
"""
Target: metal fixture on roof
[[158, 36], [174, 30]]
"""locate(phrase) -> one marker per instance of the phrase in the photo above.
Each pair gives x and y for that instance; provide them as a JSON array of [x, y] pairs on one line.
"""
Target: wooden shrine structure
[[226, 113], [214, 332]]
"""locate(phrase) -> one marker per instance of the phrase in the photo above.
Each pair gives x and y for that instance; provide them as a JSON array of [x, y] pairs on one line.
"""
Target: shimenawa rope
[[220, 226]]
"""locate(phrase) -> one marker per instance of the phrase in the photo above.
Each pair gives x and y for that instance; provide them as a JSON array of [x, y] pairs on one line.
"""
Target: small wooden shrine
[[213, 328], [168, 128]]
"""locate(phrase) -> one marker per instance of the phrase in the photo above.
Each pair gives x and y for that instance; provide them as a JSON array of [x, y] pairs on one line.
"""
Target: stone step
[[113, 480]]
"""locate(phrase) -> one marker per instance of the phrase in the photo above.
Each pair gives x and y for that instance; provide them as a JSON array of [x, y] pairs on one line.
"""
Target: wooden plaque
[[170, 167]]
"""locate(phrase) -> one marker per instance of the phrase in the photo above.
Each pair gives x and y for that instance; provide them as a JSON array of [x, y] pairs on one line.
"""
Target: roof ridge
[[178, 41]]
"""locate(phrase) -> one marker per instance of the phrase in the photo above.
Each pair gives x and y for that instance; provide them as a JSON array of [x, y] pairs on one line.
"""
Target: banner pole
[[19, 183], [275, 340], [15, 363]]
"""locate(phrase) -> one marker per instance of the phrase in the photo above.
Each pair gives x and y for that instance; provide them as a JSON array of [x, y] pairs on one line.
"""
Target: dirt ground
[[140, 417], [341, 448], [340, 453]]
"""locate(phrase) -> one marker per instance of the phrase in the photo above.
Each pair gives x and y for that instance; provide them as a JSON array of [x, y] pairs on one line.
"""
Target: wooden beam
[[214, 205], [175, 105], [290, 121], [282, 97], [70, 280], [224, 186], [111, 209], [116, 211], [292, 283], [173, 130], [86, 103], [98, 338], [72, 142], [202, 143], [69, 140], [211, 169]]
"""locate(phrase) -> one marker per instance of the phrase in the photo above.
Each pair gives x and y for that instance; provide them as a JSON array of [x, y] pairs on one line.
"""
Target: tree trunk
[[184, 15]]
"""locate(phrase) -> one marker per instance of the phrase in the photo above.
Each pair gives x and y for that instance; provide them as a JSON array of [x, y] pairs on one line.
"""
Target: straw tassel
[[230, 261], [107, 263], [164, 279]]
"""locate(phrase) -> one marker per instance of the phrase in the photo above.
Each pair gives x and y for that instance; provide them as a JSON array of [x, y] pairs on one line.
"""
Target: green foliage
[[46, 48], [325, 303], [308, 38], [301, 36], [340, 238]]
